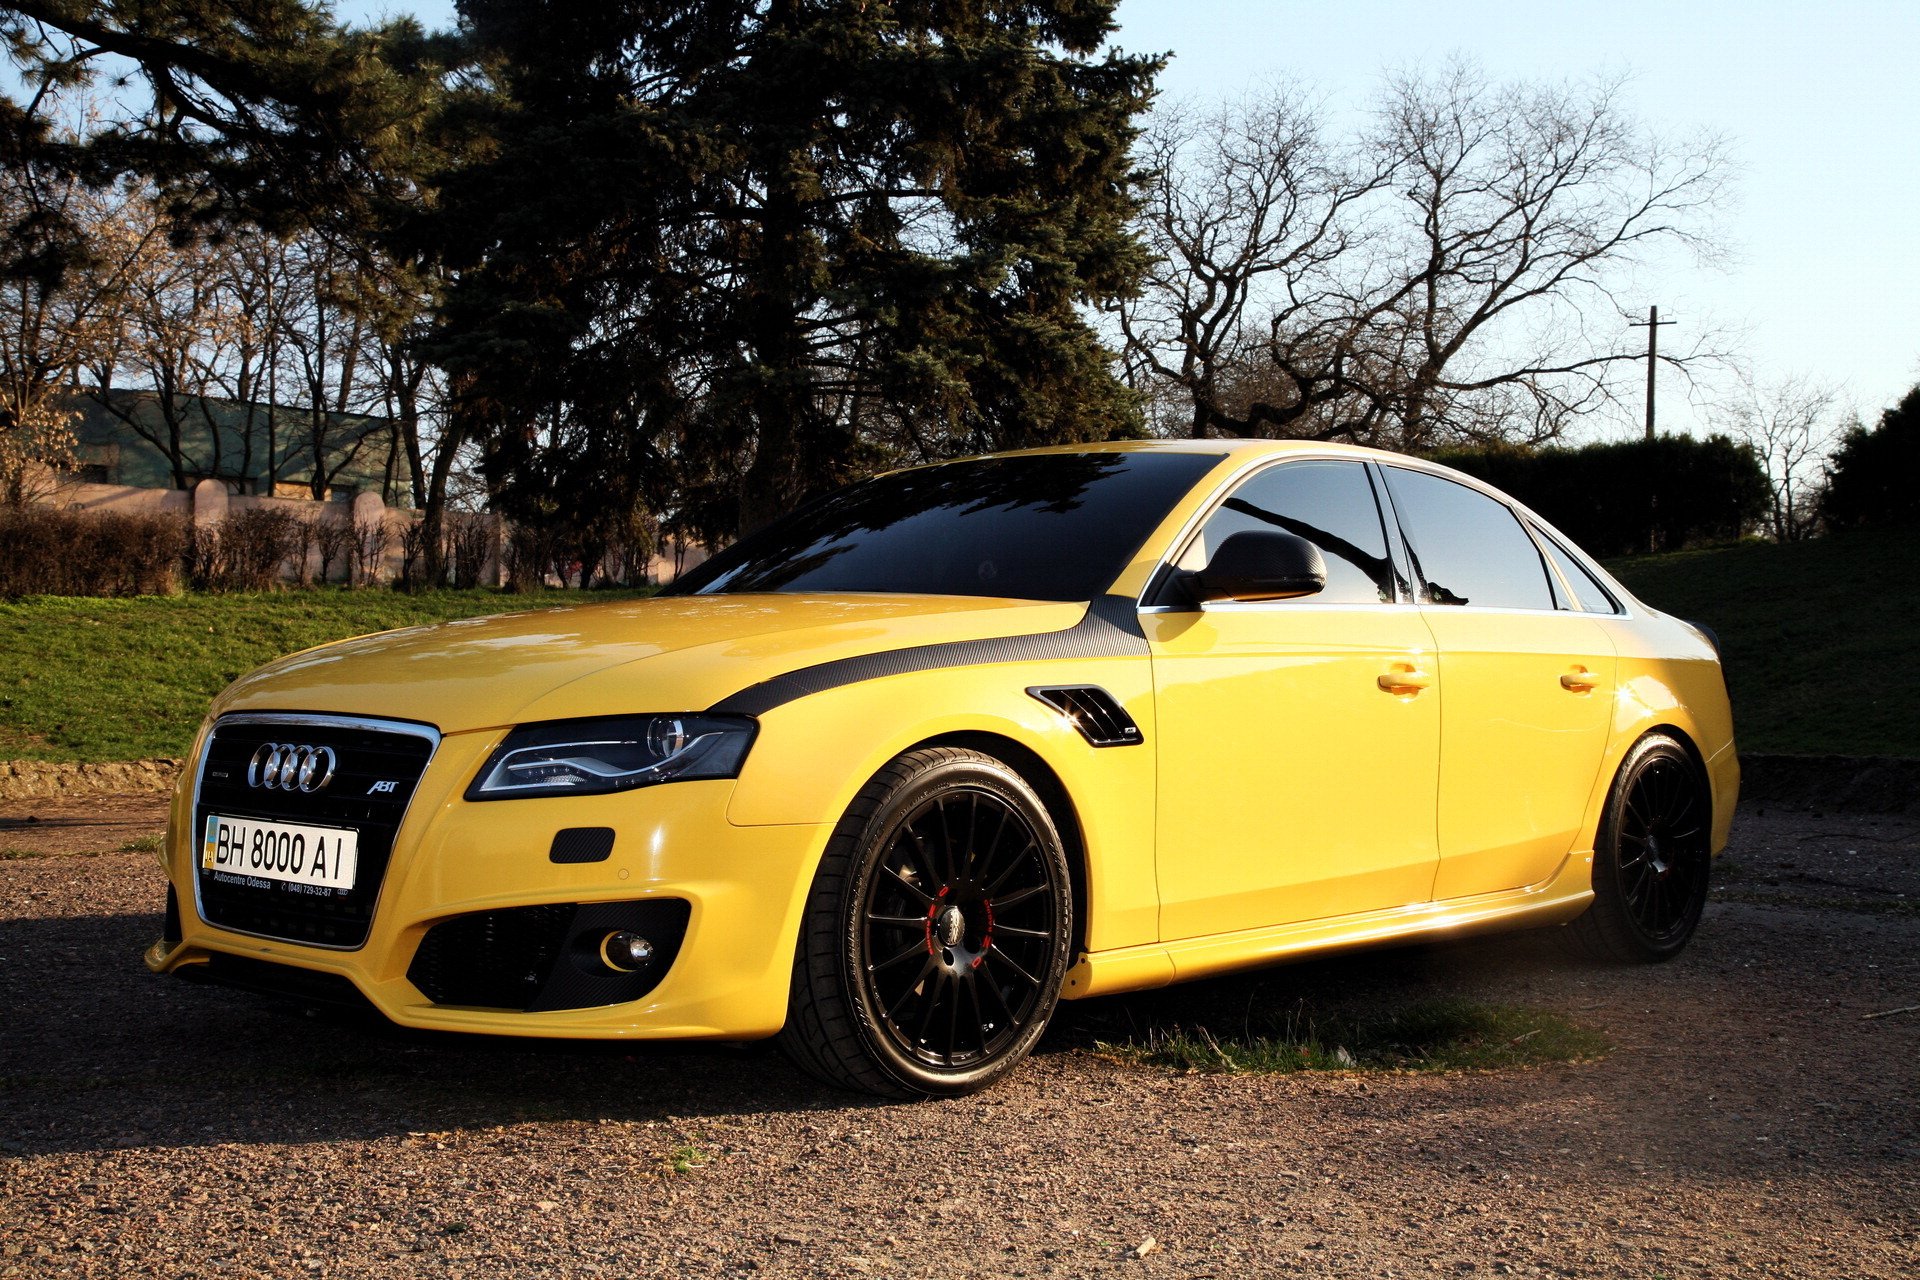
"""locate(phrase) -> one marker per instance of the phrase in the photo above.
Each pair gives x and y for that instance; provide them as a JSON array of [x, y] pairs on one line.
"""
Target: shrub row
[[1643, 495], [47, 551], [70, 553]]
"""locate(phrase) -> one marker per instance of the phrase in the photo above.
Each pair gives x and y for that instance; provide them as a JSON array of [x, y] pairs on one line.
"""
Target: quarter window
[[1467, 548], [1588, 595], [1331, 505]]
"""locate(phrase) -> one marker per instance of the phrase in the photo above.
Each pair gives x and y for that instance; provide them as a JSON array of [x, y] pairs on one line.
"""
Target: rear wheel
[[937, 934], [1651, 859]]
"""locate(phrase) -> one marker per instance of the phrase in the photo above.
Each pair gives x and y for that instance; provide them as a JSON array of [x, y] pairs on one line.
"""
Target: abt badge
[[383, 788]]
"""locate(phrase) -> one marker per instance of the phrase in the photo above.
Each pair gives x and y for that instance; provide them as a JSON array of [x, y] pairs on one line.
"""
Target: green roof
[[251, 445]]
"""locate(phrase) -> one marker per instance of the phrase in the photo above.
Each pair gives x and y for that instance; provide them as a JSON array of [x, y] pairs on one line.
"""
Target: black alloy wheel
[[937, 937], [1651, 860]]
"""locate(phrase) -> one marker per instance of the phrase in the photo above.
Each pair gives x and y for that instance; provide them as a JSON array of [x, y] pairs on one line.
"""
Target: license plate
[[248, 849]]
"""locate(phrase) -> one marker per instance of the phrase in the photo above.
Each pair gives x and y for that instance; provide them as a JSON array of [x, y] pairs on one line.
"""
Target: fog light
[[625, 952]]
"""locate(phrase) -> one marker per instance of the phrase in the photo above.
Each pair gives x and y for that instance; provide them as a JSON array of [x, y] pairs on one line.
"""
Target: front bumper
[[744, 887]]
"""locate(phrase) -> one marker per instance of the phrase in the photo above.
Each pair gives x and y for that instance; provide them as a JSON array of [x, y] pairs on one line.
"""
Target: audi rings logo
[[283, 766]]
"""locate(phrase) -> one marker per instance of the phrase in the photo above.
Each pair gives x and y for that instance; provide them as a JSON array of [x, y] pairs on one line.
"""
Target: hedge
[[1643, 495], [49, 552]]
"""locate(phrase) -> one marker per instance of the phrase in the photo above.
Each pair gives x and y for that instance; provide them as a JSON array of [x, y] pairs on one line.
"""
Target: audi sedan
[[892, 777]]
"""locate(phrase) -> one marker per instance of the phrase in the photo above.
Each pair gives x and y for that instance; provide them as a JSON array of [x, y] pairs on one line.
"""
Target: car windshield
[[1048, 526]]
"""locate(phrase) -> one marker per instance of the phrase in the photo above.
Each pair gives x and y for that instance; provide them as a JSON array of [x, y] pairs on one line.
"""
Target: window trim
[[1549, 575], [1544, 541], [1162, 577]]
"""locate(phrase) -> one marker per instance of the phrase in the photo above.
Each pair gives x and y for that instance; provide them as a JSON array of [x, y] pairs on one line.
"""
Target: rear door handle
[[1579, 680], [1404, 680]]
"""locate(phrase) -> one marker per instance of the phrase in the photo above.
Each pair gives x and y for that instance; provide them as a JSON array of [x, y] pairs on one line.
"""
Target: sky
[[1819, 101]]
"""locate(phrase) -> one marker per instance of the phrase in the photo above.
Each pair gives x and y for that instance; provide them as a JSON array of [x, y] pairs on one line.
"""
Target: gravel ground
[[1755, 1117]]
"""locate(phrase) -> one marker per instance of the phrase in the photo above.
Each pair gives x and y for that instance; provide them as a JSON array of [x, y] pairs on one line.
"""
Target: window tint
[[1331, 505], [1050, 526], [1467, 548], [1588, 595]]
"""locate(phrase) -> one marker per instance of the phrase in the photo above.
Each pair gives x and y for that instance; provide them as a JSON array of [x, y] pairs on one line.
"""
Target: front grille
[[379, 764], [536, 959]]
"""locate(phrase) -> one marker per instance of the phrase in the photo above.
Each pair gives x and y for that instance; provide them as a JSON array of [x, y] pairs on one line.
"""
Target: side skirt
[[1557, 899]]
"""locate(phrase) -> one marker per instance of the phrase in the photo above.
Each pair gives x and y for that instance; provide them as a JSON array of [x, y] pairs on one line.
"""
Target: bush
[[333, 539], [46, 551], [413, 551], [371, 538], [1643, 495], [468, 534], [245, 551], [529, 555], [1870, 482], [255, 544]]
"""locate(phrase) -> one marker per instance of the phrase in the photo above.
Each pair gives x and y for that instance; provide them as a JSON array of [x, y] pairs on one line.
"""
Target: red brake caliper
[[933, 909], [987, 940]]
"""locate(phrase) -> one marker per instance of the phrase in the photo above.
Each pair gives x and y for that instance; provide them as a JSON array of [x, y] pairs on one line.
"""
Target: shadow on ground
[[101, 1054]]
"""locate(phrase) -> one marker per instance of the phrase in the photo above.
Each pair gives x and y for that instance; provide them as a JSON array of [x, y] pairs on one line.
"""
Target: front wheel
[[1651, 859], [937, 935]]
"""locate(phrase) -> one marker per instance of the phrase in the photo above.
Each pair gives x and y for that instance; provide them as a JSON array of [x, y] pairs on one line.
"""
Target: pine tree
[[1870, 479], [776, 242]]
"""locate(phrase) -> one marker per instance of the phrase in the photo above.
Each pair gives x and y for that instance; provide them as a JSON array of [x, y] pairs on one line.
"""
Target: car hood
[[681, 653]]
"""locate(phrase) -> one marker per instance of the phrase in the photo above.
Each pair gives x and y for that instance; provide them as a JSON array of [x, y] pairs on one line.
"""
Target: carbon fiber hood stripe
[[1110, 629]]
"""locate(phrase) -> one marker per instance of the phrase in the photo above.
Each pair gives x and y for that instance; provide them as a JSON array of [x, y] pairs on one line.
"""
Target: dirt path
[[96, 824], [1751, 1120]]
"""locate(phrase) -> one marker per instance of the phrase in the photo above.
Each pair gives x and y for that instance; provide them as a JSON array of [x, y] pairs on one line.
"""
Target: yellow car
[[893, 776]]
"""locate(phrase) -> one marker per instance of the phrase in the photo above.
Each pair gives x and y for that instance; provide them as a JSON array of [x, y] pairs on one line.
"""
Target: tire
[[937, 933], [1651, 859]]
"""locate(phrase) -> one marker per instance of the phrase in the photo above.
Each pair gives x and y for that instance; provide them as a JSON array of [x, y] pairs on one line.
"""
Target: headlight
[[612, 753]]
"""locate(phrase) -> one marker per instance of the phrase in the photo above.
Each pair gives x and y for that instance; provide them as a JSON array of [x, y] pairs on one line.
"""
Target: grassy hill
[[1818, 637], [128, 679]]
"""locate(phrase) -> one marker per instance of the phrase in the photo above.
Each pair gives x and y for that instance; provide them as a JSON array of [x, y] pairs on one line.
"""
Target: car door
[[1294, 783], [1526, 687]]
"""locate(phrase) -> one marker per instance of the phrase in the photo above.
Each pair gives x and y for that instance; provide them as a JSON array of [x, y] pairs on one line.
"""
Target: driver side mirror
[[1260, 564]]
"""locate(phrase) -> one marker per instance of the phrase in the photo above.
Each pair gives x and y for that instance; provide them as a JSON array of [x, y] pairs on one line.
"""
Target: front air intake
[[556, 956], [1096, 713]]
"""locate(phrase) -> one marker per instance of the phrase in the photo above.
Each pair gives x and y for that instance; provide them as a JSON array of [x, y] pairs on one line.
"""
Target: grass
[[97, 680], [686, 1158], [1448, 1034], [1817, 637]]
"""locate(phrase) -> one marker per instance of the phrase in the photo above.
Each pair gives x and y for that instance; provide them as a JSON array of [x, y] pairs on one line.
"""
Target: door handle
[[1404, 680], [1579, 680]]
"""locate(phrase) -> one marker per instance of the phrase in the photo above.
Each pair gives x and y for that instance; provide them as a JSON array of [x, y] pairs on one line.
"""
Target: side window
[[1588, 595], [1467, 548], [1331, 505]]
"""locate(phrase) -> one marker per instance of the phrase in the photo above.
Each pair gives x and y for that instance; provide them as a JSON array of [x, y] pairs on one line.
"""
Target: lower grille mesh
[[492, 959], [539, 959]]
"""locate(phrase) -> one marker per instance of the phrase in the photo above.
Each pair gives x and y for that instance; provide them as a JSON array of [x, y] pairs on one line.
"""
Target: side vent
[[1096, 713]]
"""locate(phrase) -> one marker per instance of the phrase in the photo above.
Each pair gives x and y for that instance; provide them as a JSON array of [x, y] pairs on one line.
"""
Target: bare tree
[[1451, 274], [69, 253], [257, 281], [1792, 425], [159, 377], [321, 337], [1249, 213]]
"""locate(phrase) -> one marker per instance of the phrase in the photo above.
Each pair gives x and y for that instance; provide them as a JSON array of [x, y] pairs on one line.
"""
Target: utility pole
[[1652, 325]]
